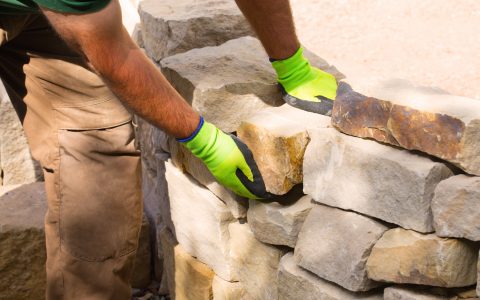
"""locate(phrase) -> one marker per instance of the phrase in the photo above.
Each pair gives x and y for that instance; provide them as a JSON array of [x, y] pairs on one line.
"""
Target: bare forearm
[[102, 40]]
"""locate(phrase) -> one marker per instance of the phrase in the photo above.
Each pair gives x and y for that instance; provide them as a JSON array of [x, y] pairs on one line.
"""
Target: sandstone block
[[423, 259], [335, 245], [175, 26], [377, 180], [200, 221], [22, 242], [226, 84], [225, 290], [295, 283], [16, 162], [456, 208], [399, 113], [256, 264], [278, 138], [187, 277], [403, 293], [187, 162], [277, 224]]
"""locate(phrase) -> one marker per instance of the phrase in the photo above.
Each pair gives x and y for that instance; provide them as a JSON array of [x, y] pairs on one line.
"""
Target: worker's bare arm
[[101, 38]]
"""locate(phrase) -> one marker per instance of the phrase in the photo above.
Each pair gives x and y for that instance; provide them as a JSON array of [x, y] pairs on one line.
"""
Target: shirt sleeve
[[73, 6]]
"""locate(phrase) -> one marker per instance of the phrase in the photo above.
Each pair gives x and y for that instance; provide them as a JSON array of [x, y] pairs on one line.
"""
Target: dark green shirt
[[65, 6]]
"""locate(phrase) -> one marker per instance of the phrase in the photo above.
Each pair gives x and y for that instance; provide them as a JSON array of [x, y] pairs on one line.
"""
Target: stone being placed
[[22, 242], [406, 256], [16, 162], [456, 208], [278, 138], [187, 277], [175, 26], [187, 162], [276, 223], [255, 263], [416, 118], [335, 244], [295, 283], [226, 290], [200, 221], [391, 184]]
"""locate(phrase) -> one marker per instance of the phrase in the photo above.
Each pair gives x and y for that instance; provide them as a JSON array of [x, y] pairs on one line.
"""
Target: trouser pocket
[[99, 191]]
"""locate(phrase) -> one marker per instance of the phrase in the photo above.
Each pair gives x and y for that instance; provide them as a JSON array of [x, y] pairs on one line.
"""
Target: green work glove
[[304, 86], [228, 159]]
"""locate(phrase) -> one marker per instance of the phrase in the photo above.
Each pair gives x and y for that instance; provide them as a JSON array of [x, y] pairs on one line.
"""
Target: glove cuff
[[195, 132], [293, 71]]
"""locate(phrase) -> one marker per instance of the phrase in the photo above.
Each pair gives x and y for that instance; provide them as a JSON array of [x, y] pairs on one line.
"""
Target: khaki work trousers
[[84, 140]]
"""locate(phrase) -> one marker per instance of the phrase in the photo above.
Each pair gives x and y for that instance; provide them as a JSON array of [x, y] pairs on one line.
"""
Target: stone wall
[[378, 202]]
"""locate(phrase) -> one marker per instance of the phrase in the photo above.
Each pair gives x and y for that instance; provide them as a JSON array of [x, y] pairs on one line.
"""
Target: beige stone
[[176, 26], [404, 293], [456, 208], [295, 283], [225, 290], [278, 138], [417, 118], [187, 277], [255, 263], [22, 242], [335, 244], [391, 184], [423, 259], [279, 223]]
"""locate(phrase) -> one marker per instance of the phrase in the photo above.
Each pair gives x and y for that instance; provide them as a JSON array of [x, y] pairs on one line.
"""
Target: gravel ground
[[430, 42]]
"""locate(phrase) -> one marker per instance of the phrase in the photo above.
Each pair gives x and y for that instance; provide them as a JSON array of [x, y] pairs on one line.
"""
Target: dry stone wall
[[353, 219]]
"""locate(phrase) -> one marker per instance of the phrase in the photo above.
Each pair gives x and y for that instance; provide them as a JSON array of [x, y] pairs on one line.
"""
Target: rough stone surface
[[22, 242], [186, 161], [278, 138], [374, 179], [398, 113], [16, 162], [225, 84], [456, 208], [200, 221], [143, 261], [295, 283], [335, 245], [175, 26], [278, 224], [225, 290], [423, 259], [187, 277], [402, 293], [256, 264]]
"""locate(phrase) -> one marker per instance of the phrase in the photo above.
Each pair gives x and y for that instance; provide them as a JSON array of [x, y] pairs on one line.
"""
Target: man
[[74, 74]]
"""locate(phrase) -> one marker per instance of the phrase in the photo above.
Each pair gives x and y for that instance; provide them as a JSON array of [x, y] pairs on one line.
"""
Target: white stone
[[295, 283], [277, 223], [335, 245], [255, 263], [374, 179], [175, 26], [225, 290], [456, 208]]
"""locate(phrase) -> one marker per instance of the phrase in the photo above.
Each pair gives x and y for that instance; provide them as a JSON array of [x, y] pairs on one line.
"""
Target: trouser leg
[[84, 140]]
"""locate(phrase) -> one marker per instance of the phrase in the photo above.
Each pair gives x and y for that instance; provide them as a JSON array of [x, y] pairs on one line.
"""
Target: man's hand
[[304, 86], [228, 159]]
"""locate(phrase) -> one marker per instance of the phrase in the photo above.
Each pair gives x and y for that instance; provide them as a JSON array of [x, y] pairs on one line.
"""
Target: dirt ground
[[430, 42]]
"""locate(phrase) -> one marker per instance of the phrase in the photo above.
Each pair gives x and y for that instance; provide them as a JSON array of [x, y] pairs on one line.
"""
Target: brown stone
[[415, 118]]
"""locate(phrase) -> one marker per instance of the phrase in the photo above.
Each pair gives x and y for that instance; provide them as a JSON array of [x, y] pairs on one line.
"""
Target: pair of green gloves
[[229, 159]]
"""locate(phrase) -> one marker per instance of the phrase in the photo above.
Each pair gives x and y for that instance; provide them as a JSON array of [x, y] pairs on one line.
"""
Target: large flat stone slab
[[201, 222], [279, 224], [417, 118], [335, 244], [226, 84], [391, 184], [255, 263], [456, 208], [175, 26], [295, 283], [226, 290], [423, 259], [278, 138]]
